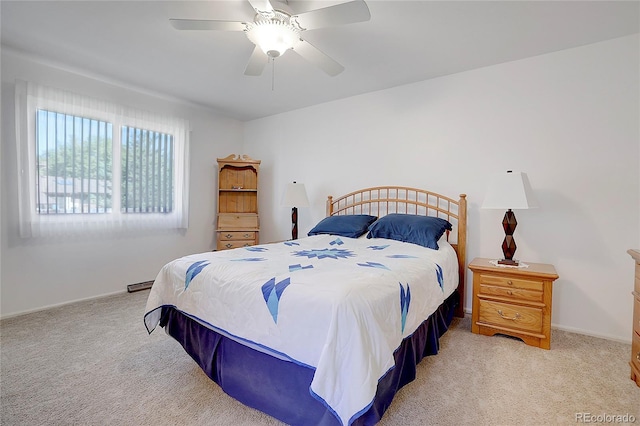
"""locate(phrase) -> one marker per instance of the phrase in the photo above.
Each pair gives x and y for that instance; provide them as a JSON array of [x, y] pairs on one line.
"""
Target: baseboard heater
[[139, 286]]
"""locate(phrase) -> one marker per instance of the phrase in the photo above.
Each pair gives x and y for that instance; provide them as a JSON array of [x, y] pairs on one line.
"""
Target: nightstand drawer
[[512, 316], [227, 245], [511, 282], [512, 293], [237, 235]]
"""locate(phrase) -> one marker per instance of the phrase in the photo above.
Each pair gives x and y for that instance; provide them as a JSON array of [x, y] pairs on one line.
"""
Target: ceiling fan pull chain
[[273, 73]]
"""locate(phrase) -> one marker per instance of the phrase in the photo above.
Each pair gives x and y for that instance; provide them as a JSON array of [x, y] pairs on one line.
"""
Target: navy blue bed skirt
[[255, 378]]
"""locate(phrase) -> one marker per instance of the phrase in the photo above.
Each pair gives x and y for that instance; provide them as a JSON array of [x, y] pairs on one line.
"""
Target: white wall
[[43, 272], [569, 119]]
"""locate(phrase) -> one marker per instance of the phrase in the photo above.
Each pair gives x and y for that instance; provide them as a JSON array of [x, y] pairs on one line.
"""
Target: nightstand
[[513, 301]]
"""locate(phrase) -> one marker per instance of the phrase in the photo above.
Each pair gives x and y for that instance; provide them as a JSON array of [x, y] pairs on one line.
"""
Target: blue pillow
[[409, 228], [344, 225]]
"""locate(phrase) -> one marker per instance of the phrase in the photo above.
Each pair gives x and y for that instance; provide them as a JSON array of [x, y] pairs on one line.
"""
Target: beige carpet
[[92, 363]]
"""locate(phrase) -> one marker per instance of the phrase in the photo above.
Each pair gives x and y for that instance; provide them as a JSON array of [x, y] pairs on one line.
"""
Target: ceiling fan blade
[[203, 24], [316, 57], [339, 14], [261, 5], [257, 62]]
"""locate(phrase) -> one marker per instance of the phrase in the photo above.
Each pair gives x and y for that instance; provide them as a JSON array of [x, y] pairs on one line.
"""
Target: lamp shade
[[510, 190], [295, 196]]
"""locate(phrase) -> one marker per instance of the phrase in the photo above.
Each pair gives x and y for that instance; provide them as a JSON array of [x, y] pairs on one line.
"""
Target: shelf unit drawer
[[511, 282], [228, 245], [236, 235], [525, 318], [511, 293], [238, 221]]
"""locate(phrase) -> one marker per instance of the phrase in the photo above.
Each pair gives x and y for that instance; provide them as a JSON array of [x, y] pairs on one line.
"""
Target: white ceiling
[[132, 43]]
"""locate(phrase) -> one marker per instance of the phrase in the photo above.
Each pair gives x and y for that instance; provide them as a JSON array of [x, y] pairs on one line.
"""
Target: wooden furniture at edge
[[513, 301], [635, 338], [238, 224]]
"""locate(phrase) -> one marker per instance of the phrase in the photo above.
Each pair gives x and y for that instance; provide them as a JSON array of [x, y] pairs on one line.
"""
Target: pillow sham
[[351, 226], [410, 228]]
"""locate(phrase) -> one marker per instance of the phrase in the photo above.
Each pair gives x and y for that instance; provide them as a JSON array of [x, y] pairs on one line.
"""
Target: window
[[73, 164], [147, 164], [88, 165]]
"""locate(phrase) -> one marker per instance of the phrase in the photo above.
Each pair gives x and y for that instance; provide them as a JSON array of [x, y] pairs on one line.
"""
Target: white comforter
[[339, 305]]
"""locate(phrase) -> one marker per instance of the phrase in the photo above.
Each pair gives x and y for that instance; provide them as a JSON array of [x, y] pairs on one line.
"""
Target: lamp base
[[509, 224], [294, 223]]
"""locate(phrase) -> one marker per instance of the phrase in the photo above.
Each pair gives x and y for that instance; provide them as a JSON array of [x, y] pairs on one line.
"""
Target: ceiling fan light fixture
[[273, 36]]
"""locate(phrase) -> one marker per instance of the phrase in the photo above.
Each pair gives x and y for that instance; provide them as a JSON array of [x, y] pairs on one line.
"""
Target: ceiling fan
[[276, 29]]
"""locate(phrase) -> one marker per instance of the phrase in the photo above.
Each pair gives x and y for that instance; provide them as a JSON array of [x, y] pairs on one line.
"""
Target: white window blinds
[[87, 165]]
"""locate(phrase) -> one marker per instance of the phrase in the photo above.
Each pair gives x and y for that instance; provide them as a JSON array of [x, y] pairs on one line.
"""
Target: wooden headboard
[[382, 200]]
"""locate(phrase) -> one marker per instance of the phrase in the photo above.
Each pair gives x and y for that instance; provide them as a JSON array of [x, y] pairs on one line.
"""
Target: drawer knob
[[509, 292], [229, 245], [228, 235], [515, 317], [638, 356], [510, 282], [246, 235]]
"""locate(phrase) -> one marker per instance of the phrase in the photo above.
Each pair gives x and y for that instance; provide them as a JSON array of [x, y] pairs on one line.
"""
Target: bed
[[323, 330]]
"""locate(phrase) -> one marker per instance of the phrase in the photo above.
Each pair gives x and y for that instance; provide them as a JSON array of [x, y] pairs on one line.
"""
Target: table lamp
[[295, 196], [511, 191]]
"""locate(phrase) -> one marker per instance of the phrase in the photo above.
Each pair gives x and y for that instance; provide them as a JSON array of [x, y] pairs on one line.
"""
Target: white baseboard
[[592, 334], [57, 305], [618, 339]]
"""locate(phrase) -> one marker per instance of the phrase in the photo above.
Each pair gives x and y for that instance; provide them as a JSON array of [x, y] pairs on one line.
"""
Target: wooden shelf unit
[[238, 224]]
